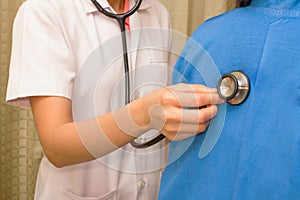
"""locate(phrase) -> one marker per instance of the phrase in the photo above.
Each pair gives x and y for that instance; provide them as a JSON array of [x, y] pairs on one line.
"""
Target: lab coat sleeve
[[42, 63]]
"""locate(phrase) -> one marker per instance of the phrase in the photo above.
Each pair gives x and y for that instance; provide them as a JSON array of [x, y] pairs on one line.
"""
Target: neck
[[117, 5]]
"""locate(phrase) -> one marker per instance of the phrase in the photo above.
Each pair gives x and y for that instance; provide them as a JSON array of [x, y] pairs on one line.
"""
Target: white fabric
[[52, 40]]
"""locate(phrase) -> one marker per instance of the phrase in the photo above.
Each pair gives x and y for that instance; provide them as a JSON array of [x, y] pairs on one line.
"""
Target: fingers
[[192, 88], [197, 99], [181, 123], [161, 115], [192, 116], [183, 110], [183, 131], [191, 95]]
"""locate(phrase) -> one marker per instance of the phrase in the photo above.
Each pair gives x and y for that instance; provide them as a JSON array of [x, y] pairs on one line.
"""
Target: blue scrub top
[[257, 153]]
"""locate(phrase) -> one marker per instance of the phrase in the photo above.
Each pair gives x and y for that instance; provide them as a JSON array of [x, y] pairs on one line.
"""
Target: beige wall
[[186, 15], [19, 147]]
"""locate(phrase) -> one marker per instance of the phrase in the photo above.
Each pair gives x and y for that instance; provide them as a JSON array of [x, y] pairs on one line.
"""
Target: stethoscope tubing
[[121, 18]]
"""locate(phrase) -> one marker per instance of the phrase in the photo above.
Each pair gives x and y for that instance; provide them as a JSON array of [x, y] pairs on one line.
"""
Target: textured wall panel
[[20, 151]]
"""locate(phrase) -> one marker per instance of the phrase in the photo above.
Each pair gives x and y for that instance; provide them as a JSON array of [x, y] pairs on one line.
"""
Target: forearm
[[78, 142], [67, 142]]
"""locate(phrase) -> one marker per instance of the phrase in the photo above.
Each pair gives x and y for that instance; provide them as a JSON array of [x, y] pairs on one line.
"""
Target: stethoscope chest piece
[[234, 87]]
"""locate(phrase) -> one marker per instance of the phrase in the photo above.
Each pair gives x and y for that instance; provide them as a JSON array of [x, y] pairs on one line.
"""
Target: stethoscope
[[121, 18], [233, 87]]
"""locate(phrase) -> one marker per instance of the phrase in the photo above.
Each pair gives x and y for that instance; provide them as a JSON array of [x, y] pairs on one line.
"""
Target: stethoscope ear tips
[[234, 87]]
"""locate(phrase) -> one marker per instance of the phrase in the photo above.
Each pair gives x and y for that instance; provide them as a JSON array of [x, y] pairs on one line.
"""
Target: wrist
[[139, 112], [132, 119]]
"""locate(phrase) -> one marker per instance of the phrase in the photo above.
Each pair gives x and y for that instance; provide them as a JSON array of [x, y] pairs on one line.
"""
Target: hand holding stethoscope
[[183, 102], [174, 110], [178, 110]]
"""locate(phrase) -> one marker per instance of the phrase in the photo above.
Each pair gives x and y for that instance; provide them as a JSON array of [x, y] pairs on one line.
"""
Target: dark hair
[[243, 3]]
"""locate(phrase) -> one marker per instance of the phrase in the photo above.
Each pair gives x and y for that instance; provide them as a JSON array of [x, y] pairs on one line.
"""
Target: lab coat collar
[[89, 7]]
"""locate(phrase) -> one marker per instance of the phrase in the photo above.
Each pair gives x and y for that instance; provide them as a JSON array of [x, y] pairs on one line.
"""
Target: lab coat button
[[135, 95], [142, 184], [139, 140]]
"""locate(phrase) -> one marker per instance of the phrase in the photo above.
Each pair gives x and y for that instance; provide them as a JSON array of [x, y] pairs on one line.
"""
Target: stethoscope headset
[[233, 87]]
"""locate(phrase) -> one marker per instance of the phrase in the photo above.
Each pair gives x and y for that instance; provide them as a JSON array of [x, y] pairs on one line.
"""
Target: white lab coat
[[53, 43]]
